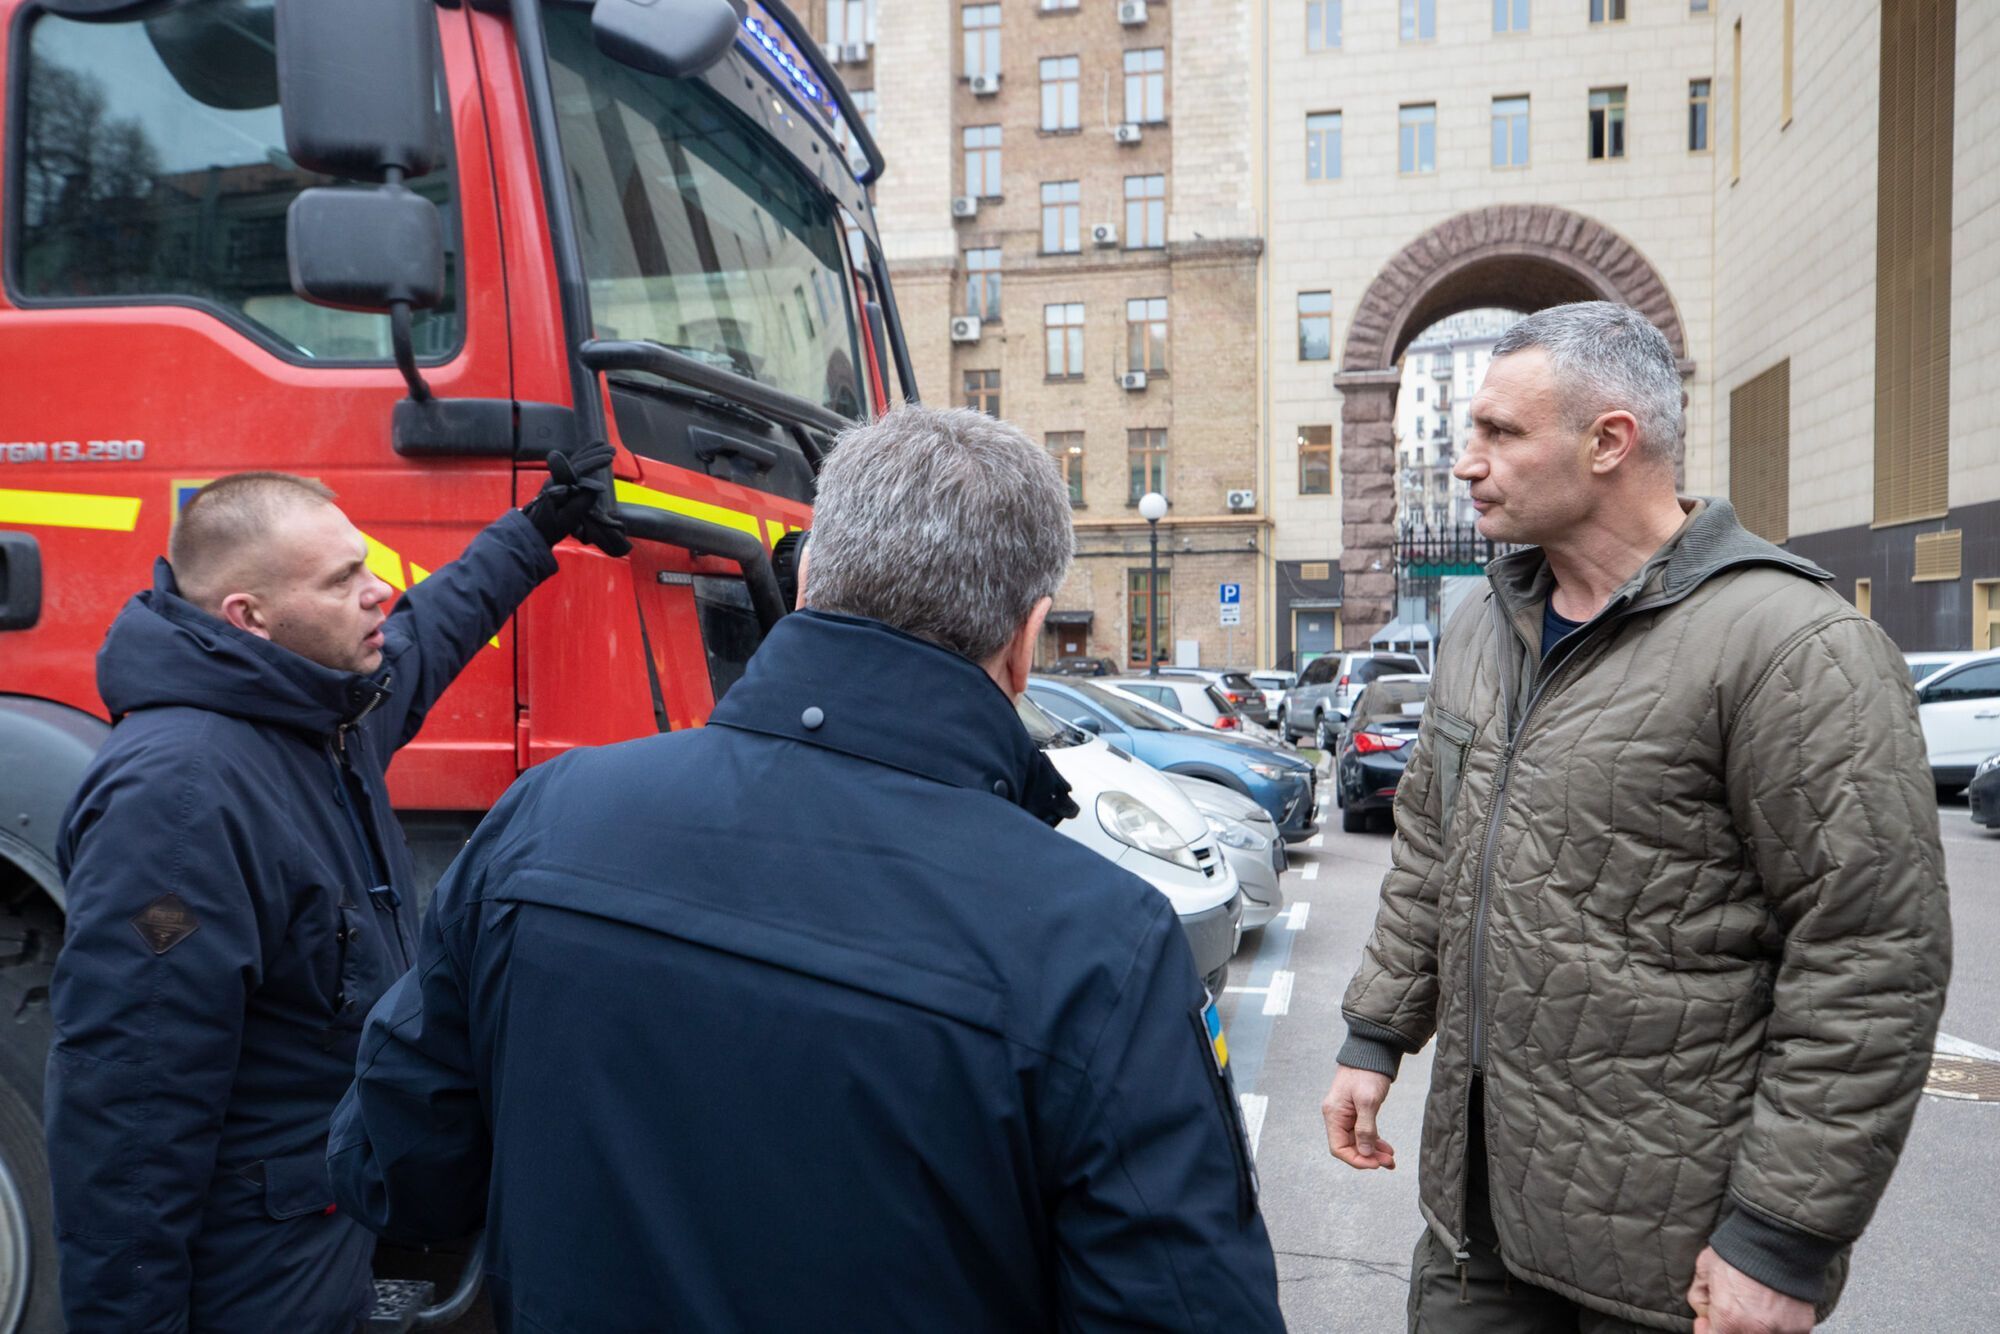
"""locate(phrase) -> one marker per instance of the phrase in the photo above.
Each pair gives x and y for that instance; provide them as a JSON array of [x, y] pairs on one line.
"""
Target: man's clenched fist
[[1349, 1111]]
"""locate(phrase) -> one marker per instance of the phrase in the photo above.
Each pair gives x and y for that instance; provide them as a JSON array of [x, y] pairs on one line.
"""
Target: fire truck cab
[[409, 247]]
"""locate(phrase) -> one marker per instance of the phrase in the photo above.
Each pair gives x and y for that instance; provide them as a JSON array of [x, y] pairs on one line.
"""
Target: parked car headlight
[[1987, 765], [1137, 825], [1274, 772], [1235, 833]]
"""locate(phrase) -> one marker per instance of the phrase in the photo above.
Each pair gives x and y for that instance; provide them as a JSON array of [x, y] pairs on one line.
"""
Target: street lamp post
[[1153, 508]]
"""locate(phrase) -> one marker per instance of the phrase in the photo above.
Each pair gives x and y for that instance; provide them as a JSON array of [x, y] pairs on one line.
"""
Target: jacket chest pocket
[[365, 966], [1454, 742]]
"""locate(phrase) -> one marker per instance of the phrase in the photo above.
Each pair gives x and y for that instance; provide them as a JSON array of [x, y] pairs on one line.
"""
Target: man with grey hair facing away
[[1666, 888], [807, 1019]]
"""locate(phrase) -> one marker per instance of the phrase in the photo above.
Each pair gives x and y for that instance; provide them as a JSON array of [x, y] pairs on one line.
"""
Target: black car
[[1083, 667], [1984, 794], [1380, 734]]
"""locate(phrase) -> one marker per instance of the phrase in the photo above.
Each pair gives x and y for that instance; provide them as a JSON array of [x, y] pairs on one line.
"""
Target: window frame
[[1410, 16], [1068, 214], [988, 154], [1304, 315], [1143, 328], [1620, 107], [988, 278], [1418, 124], [1705, 100], [1604, 12], [1151, 208], [1069, 95], [1512, 9], [13, 221], [1325, 8], [1309, 447], [987, 45], [1066, 448], [1148, 445], [977, 397], [1158, 617], [1072, 341], [1526, 118], [1152, 86], [1317, 139]]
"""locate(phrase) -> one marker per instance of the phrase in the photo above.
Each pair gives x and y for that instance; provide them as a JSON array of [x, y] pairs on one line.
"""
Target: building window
[[1322, 25], [1785, 99], [982, 284], [1760, 452], [1060, 75], [1142, 630], [1510, 16], [1420, 393], [982, 40], [1323, 146], [1510, 131], [1420, 20], [982, 161], [1146, 85], [1145, 212], [982, 392], [1146, 334], [1607, 123], [1062, 217], [1146, 462], [1059, 4], [1913, 242], [1417, 139], [1607, 11], [1697, 6], [1864, 597], [1315, 326], [1066, 448], [1697, 115], [1063, 325], [1315, 460], [850, 22]]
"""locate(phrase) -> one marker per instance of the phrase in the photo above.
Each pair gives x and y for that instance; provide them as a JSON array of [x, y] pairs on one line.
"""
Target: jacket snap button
[[812, 718], [1001, 788]]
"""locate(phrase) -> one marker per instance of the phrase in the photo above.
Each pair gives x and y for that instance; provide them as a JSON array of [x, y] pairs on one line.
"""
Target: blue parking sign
[[1232, 595]]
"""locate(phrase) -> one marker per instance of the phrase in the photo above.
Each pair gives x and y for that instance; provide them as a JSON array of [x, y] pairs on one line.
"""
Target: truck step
[[397, 1301]]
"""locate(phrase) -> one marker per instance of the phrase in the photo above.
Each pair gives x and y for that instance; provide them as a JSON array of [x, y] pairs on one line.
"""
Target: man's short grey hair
[[947, 524], [1606, 358]]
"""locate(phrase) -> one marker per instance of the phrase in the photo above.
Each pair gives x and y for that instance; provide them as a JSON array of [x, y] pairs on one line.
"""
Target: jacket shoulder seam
[[1784, 651]]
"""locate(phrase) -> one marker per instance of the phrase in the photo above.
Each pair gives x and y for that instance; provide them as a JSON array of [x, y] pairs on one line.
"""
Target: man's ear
[[242, 611], [1017, 660], [1614, 442]]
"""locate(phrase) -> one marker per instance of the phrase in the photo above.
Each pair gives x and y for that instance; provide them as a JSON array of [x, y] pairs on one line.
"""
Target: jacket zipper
[[369, 846], [1475, 1017]]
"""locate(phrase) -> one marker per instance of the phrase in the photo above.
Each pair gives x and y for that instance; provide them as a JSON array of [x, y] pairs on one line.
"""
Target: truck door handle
[[711, 445], [20, 581]]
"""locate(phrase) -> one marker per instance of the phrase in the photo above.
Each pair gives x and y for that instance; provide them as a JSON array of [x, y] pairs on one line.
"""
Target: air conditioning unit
[[853, 53], [1131, 13], [1104, 234], [985, 85], [1242, 500], [1132, 380], [965, 328], [1128, 132], [965, 206]]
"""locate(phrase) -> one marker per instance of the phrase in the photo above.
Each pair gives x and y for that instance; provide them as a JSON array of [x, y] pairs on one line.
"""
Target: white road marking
[[1278, 999], [1947, 1045], [1295, 916], [1253, 1117], [1311, 871], [1316, 841]]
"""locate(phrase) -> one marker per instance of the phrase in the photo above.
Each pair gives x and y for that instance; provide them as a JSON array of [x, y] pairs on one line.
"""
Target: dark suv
[[1325, 692]]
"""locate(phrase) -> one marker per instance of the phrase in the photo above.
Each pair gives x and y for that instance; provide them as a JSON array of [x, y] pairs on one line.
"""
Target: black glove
[[574, 500]]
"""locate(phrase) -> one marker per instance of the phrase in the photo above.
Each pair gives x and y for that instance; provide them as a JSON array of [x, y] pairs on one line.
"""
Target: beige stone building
[[1070, 218], [1856, 412]]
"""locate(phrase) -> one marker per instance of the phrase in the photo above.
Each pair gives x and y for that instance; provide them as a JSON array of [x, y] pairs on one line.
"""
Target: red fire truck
[[522, 225]]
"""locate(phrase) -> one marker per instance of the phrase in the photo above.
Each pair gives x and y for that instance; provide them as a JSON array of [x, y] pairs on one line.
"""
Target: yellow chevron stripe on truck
[[69, 509], [631, 493]]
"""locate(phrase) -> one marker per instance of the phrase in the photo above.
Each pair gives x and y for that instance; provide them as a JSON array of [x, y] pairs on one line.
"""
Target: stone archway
[[1521, 256]]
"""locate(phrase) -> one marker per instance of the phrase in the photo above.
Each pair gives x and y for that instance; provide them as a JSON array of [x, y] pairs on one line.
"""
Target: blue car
[[1280, 782]]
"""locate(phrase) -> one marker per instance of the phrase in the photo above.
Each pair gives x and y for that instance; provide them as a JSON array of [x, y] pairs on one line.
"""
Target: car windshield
[[698, 231], [1126, 712], [1385, 701], [1047, 732]]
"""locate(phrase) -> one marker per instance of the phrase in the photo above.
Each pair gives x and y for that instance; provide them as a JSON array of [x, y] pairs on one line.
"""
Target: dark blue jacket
[[233, 871], [806, 1021]]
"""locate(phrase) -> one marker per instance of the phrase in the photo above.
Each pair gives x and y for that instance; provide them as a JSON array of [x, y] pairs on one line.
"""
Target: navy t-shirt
[[1554, 627]]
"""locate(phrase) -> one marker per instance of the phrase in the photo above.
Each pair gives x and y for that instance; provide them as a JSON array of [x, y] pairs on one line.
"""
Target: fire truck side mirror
[[675, 38], [361, 249], [357, 82]]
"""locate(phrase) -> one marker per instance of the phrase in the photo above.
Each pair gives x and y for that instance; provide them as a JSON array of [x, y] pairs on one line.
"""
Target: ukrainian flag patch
[[1218, 1045]]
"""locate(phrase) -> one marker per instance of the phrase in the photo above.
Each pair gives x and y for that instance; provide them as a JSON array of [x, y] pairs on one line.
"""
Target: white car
[[1273, 684], [1250, 843], [1189, 695], [1135, 817], [1926, 664], [1260, 736], [1960, 711]]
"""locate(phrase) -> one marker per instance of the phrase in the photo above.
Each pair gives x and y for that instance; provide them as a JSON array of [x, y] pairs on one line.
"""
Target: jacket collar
[[164, 651], [862, 688]]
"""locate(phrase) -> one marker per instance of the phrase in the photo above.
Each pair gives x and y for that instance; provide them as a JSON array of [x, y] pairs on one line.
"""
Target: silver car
[[1250, 844], [1325, 693]]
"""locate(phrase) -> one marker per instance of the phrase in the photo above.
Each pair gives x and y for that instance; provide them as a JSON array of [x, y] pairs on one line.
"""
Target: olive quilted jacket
[[1677, 895]]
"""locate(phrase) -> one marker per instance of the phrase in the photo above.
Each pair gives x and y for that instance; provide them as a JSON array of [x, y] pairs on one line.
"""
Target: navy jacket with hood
[[234, 877], [806, 1020]]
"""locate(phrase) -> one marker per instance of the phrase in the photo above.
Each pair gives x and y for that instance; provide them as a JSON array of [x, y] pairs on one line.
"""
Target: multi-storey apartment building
[[1069, 217], [1442, 369], [1857, 270]]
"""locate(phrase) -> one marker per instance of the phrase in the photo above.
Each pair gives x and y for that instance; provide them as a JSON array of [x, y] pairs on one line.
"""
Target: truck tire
[[30, 934]]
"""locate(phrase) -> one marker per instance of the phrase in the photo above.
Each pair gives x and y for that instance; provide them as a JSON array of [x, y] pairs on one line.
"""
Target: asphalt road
[[1344, 1238]]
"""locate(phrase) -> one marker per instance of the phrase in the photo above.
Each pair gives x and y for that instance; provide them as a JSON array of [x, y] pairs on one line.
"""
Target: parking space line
[[1295, 916], [1254, 1105], [1278, 999], [1316, 841], [1311, 871]]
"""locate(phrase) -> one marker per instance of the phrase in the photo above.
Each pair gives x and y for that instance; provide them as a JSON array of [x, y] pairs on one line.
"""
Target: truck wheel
[[30, 935]]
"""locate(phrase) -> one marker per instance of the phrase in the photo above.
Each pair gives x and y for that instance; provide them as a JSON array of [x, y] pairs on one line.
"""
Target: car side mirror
[[674, 38], [1089, 724]]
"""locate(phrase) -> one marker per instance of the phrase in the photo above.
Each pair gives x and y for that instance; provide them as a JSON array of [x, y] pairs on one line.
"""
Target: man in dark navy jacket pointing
[[807, 1019], [240, 895]]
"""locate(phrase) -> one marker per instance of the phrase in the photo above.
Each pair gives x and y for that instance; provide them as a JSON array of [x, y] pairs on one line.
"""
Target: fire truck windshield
[[698, 230]]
